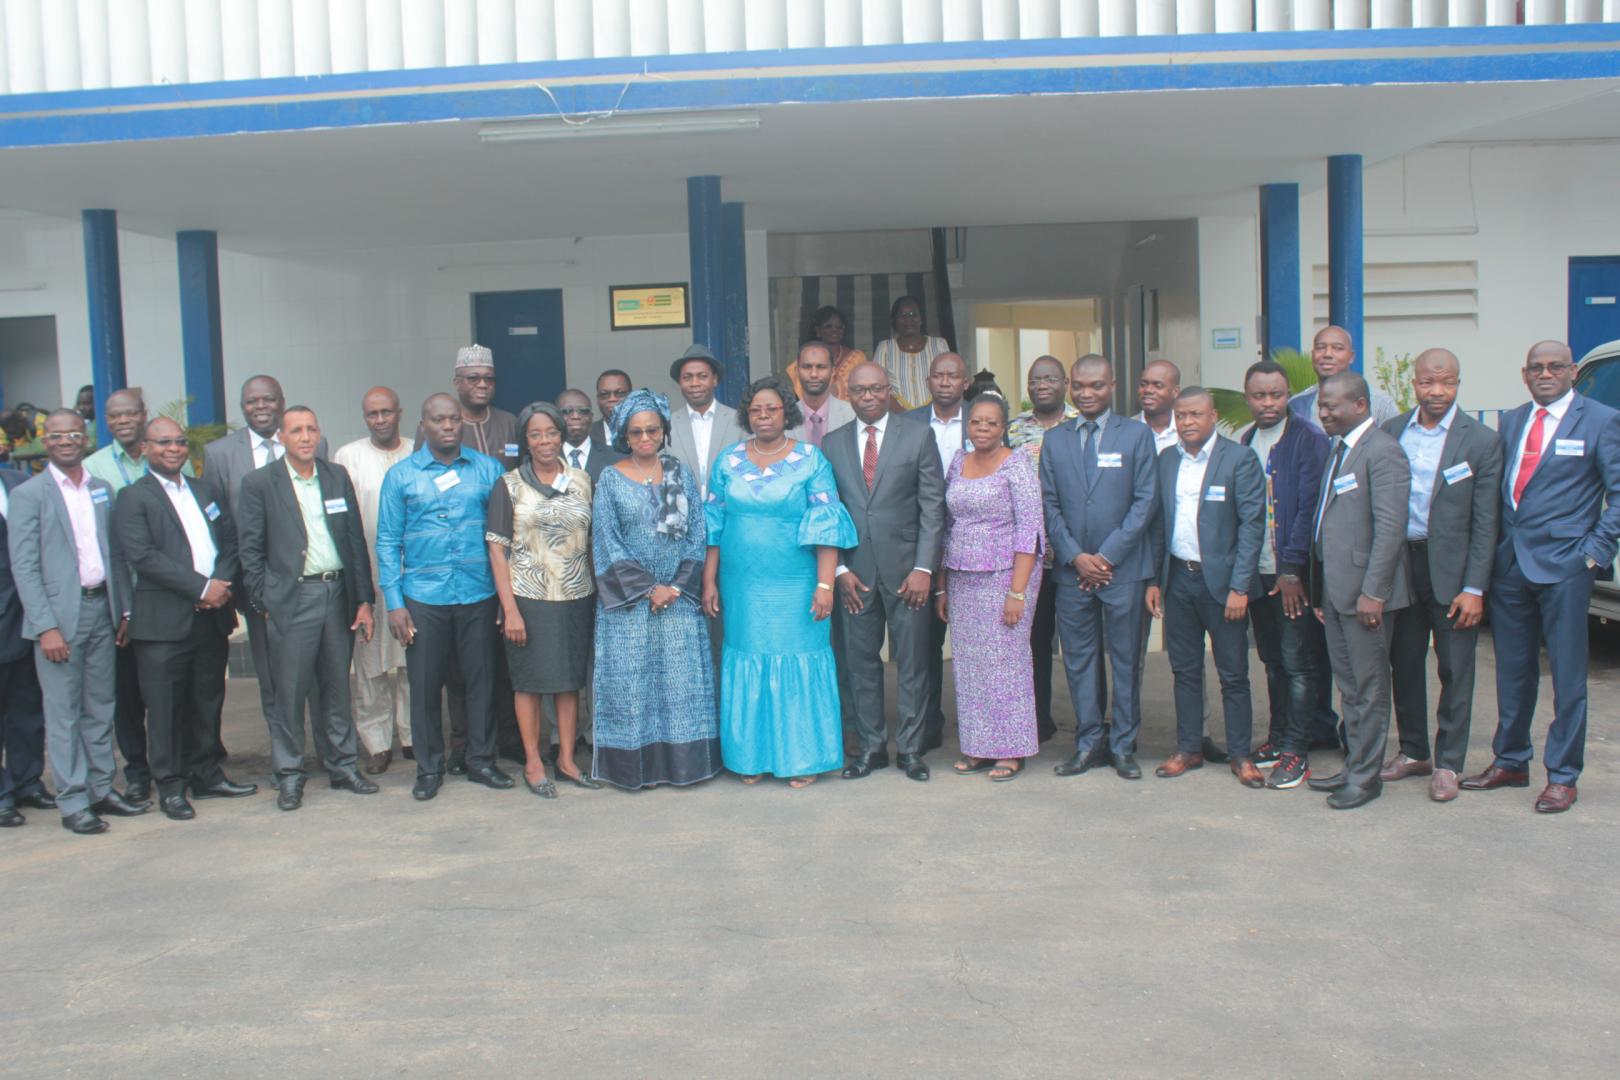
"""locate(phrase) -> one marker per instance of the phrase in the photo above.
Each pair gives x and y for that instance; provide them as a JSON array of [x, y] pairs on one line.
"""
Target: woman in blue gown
[[775, 527]]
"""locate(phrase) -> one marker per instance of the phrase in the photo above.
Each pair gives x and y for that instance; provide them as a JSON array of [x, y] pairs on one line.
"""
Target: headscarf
[[671, 494]]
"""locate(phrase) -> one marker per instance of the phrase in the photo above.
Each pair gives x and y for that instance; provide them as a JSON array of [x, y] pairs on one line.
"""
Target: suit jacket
[[273, 542], [1295, 470], [1363, 534], [724, 432], [1110, 518], [600, 457], [227, 461], [152, 543], [13, 646], [1562, 520], [1465, 508], [900, 523], [45, 560], [1231, 517]]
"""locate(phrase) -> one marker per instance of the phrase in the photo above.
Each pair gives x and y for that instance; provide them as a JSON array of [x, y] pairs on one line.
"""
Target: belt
[[1423, 543], [94, 590], [1190, 566], [330, 575]]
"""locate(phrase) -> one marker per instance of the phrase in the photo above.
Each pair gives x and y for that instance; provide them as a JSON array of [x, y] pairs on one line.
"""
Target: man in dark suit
[[581, 448], [1206, 544], [181, 544], [1560, 527], [612, 387], [304, 561], [1451, 525], [887, 468], [22, 712], [1360, 576], [1098, 480]]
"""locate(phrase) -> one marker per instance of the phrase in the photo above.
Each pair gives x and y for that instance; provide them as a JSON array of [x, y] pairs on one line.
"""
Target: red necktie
[[869, 459], [1531, 456]]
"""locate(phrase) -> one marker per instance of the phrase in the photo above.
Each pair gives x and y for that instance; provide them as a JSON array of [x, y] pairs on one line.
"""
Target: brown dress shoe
[[1493, 778], [1179, 763], [1401, 766], [1555, 799], [377, 763], [1443, 787], [1247, 773]]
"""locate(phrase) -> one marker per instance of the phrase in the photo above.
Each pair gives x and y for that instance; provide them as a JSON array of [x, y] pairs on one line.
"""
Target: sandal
[[751, 780], [966, 765], [802, 781], [1002, 773]]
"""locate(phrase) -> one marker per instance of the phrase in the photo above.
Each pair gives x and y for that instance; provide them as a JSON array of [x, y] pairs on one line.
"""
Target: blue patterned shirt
[[430, 529]]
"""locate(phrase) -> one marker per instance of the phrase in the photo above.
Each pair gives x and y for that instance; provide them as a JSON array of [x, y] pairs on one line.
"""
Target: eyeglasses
[[575, 410], [166, 444], [764, 410], [63, 436], [1557, 367], [478, 380], [869, 390], [1047, 380]]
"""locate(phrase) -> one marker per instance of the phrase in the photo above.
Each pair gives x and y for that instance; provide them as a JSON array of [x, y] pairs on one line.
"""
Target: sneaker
[[1265, 755], [1291, 771]]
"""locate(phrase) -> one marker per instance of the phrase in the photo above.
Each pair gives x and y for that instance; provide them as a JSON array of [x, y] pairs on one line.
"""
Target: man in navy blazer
[[1098, 483], [1206, 545], [1560, 526]]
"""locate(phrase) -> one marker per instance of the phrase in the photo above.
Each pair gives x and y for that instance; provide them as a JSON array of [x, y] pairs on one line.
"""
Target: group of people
[[694, 587]]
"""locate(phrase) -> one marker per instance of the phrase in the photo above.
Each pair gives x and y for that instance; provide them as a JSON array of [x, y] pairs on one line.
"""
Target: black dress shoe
[[176, 807], [1327, 783], [864, 764], [1126, 766], [223, 788], [356, 783], [113, 804], [1080, 763], [1349, 797], [1213, 753], [10, 818], [83, 822], [39, 800], [290, 793], [138, 790], [426, 787], [457, 766], [913, 765], [490, 777]]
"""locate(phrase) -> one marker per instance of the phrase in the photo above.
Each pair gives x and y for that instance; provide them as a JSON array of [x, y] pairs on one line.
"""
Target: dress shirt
[[1423, 446], [702, 432], [1162, 440], [430, 530], [1303, 405], [882, 425], [1549, 426], [203, 552], [113, 466], [81, 508], [266, 450], [320, 553], [5, 502], [1189, 489], [947, 435], [583, 450], [1264, 441]]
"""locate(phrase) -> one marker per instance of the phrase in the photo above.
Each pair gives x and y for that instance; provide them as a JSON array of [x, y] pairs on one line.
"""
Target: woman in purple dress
[[994, 537]]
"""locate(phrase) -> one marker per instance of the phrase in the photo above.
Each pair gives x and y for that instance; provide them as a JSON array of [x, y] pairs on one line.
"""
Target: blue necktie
[[1088, 452]]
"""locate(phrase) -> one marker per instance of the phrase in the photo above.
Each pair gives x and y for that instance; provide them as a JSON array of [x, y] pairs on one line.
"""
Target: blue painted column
[[106, 302], [201, 339], [1279, 267], [705, 242], [1344, 248], [734, 314]]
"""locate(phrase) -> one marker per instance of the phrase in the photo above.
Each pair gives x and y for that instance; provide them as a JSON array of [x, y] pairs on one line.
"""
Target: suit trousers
[[465, 632], [309, 661], [934, 688], [908, 631], [183, 684], [1292, 653], [1087, 620], [259, 645], [129, 721], [22, 731], [1042, 638], [1360, 659], [1523, 614], [1191, 613], [1454, 654], [81, 696]]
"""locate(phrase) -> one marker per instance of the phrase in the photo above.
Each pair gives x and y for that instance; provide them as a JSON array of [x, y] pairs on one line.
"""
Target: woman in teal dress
[[775, 527]]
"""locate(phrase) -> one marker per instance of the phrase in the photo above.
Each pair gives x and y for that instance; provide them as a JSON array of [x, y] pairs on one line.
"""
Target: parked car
[[1598, 378]]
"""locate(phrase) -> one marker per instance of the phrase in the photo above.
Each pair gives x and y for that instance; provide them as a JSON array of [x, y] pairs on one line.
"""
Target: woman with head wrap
[[654, 687]]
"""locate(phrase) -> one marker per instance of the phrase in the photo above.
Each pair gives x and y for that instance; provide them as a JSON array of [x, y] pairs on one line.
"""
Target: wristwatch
[[1015, 596]]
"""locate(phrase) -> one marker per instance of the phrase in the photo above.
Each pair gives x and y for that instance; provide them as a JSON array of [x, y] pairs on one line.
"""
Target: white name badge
[[1216, 493], [337, 506], [1569, 448], [510, 451], [1458, 473], [1343, 485], [1112, 460], [446, 481], [212, 510], [99, 495]]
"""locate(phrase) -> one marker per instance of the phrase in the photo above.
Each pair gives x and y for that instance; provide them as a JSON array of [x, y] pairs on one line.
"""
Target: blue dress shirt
[[430, 529], [1423, 446]]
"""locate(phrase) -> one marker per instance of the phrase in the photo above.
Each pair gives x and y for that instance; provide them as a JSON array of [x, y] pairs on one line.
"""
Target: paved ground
[[1047, 927]]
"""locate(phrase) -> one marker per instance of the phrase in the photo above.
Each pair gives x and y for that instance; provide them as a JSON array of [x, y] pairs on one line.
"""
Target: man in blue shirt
[[435, 577]]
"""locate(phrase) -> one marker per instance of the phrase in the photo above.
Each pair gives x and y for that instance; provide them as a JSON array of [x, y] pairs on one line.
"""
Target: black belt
[[1423, 543], [94, 590], [1191, 567], [330, 575]]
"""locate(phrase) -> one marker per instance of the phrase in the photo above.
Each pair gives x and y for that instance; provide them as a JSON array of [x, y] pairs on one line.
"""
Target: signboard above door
[[648, 307]]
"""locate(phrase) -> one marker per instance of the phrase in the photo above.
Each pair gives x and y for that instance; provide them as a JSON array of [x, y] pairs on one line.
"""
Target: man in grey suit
[[1451, 530], [74, 610], [698, 432], [889, 480], [1360, 577], [22, 712], [1206, 542], [1099, 483]]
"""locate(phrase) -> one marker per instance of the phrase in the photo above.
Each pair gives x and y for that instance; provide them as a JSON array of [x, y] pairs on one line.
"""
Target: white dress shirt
[[583, 450], [947, 435], [702, 432], [81, 508], [203, 552], [1162, 440], [1189, 489], [266, 450], [1549, 426], [879, 426], [5, 502]]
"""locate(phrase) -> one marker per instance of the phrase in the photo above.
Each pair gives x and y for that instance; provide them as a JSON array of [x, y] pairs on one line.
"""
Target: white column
[[922, 20], [1155, 16], [1078, 18], [25, 46], [497, 32], [723, 28], [880, 22], [275, 38], [1501, 13], [312, 37], [765, 24], [1465, 12], [1543, 12], [238, 38], [1272, 15], [575, 35], [385, 35], [1000, 20], [1195, 16], [167, 25], [1583, 11], [59, 29], [1039, 19], [95, 61], [460, 33], [421, 33], [205, 48], [843, 22], [610, 30], [962, 21], [685, 26], [1388, 14], [1116, 18], [1313, 15], [1237, 16], [649, 28], [346, 26], [535, 24], [807, 24], [1611, 10], [1351, 15]]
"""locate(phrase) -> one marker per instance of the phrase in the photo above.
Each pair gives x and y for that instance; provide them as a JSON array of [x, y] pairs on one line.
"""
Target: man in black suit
[[612, 387], [177, 536], [1451, 535], [22, 709], [305, 564], [582, 449]]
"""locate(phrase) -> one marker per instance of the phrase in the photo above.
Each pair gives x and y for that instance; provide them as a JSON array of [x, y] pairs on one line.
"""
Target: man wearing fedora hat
[[704, 427]]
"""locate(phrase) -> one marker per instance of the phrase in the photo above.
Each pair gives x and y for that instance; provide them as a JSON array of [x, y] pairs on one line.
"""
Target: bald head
[[1157, 390], [869, 391], [1437, 360], [1436, 374], [1331, 351], [947, 382], [1549, 371], [1091, 385], [381, 409], [125, 412], [262, 402], [164, 444]]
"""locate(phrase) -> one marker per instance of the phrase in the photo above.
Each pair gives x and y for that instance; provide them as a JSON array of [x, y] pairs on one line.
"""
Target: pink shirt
[[815, 421], [81, 508]]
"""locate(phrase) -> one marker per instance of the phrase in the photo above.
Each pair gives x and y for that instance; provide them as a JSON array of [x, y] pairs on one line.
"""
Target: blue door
[[525, 332], [1594, 302]]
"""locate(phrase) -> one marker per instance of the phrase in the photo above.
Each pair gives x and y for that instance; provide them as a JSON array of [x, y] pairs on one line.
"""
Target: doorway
[[524, 330], [28, 365], [1594, 302], [1010, 337]]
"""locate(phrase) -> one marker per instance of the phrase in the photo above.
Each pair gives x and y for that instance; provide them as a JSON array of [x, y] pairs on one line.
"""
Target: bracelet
[[1015, 596], [824, 585]]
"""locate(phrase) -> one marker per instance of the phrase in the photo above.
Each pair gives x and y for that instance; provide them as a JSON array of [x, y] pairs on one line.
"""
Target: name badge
[[337, 506], [99, 495], [212, 511], [511, 450], [1458, 473], [1343, 485], [1111, 460], [446, 481], [1216, 493], [1569, 448]]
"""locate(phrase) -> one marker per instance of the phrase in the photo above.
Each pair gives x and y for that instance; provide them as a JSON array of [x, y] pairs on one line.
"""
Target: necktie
[[574, 456], [1088, 451], [1531, 456], [869, 459], [1327, 488], [815, 429]]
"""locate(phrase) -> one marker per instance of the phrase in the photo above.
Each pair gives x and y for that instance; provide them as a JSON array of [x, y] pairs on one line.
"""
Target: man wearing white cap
[[484, 427]]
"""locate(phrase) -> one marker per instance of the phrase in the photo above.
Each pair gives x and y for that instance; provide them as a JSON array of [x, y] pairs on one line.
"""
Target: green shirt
[[114, 466], [321, 556]]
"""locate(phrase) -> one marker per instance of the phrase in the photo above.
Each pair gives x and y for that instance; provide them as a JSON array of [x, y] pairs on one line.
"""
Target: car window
[[1600, 381]]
